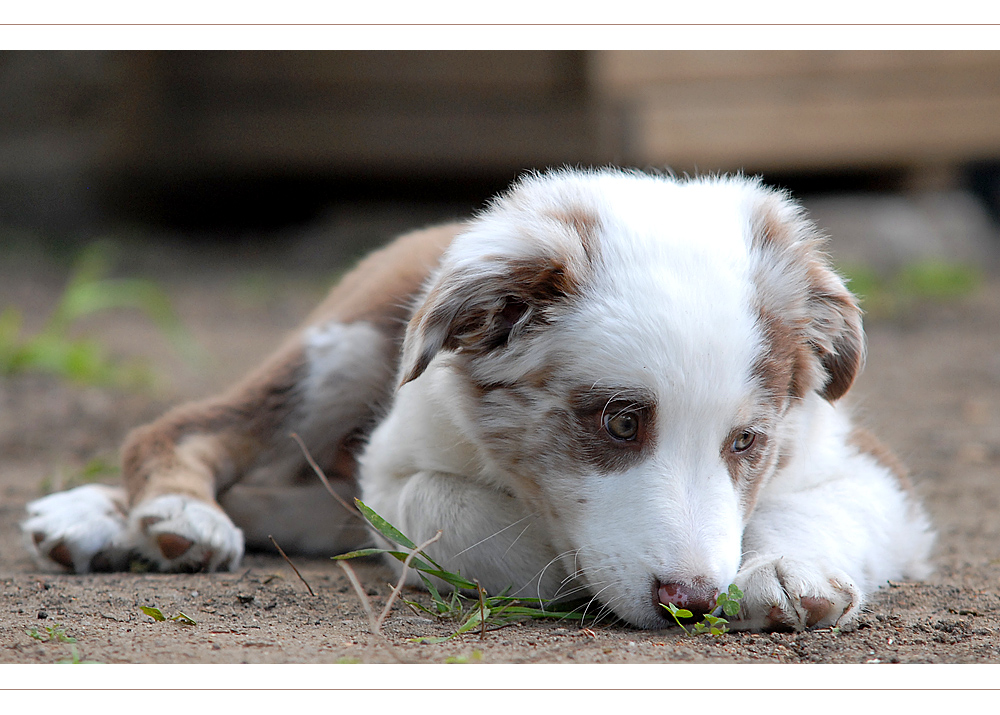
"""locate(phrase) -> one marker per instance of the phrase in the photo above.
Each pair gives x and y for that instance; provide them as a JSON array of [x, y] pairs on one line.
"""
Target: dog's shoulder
[[382, 287]]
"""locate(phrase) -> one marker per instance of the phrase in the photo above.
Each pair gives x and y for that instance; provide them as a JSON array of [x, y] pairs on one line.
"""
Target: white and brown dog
[[610, 385]]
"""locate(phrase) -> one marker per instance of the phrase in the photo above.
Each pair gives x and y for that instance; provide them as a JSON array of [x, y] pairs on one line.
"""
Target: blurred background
[[166, 218], [249, 171], [236, 141]]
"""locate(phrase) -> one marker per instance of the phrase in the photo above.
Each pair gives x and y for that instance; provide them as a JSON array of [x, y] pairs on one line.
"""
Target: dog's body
[[610, 385]]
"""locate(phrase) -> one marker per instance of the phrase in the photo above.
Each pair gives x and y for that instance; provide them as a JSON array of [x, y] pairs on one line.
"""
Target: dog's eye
[[744, 441], [623, 425]]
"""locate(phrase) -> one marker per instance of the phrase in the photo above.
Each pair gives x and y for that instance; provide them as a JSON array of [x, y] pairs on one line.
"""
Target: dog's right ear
[[479, 306]]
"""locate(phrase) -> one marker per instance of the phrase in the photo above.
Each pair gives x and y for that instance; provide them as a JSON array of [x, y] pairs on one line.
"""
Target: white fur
[[216, 543], [704, 310], [667, 308], [91, 520], [88, 520]]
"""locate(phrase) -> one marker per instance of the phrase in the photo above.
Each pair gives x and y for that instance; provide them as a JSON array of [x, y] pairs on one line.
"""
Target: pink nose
[[698, 600]]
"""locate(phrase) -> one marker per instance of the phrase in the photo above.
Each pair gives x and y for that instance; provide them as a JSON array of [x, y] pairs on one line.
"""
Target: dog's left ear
[[834, 332], [479, 306], [799, 288]]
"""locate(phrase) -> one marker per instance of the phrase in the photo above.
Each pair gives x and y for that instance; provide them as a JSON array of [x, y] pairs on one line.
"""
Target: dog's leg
[[812, 553], [327, 384], [234, 450], [486, 533]]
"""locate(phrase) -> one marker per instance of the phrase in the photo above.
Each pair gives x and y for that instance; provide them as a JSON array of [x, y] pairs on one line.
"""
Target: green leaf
[[456, 580], [153, 613], [473, 621], [677, 612], [359, 553], [384, 527], [432, 639], [181, 617], [415, 563], [439, 603], [420, 607]]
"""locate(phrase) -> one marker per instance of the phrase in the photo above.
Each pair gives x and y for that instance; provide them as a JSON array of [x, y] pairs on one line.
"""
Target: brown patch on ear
[[809, 316], [481, 310], [784, 368], [584, 223], [867, 443], [841, 341]]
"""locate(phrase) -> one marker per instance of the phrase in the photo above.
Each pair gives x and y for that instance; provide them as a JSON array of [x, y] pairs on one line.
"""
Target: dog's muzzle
[[697, 599]]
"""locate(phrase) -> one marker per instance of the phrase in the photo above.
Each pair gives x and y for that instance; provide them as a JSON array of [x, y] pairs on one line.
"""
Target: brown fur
[[478, 313], [202, 448], [831, 334], [585, 224], [867, 443]]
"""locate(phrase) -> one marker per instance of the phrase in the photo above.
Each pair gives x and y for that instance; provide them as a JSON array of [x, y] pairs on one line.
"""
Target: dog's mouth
[[697, 598]]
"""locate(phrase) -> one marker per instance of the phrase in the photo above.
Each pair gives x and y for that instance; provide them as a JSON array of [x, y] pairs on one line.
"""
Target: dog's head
[[631, 348]]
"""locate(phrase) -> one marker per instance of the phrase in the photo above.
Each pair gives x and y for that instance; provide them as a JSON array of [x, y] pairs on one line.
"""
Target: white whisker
[[496, 533]]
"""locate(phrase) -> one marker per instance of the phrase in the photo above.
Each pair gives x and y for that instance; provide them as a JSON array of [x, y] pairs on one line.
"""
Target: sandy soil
[[931, 390]]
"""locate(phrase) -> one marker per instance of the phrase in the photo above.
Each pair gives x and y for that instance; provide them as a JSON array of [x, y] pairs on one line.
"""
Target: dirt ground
[[931, 390]]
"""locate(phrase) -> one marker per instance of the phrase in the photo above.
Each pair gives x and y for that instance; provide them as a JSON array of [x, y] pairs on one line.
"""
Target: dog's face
[[631, 350]]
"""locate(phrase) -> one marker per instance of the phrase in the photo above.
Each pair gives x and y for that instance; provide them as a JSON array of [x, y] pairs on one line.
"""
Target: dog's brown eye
[[744, 441], [622, 425]]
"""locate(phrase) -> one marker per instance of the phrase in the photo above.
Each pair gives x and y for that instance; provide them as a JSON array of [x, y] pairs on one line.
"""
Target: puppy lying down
[[608, 385]]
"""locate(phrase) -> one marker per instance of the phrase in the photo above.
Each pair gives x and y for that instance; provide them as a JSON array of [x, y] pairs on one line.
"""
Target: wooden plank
[[818, 134], [406, 139], [479, 72], [804, 110], [621, 73]]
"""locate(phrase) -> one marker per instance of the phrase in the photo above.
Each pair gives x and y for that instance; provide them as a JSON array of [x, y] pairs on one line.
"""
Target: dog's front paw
[[80, 529], [181, 533], [780, 593]]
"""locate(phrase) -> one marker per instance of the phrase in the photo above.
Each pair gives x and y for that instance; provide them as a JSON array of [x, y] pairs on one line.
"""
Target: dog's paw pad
[[173, 546], [816, 609], [59, 553], [785, 594], [181, 533], [79, 529]]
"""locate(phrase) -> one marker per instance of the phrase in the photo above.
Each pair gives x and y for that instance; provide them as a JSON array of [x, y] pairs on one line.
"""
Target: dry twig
[[376, 621], [322, 477], [285, 557]]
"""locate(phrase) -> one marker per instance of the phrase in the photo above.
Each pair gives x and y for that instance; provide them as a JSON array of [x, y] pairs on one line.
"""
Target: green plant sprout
[[54, 349], [56, 634], [728, 601], [927, 280], [97, 469], [157, 615], [481, 612]]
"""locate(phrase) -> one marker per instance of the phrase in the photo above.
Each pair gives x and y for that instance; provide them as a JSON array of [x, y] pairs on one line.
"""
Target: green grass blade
[[415, 562], [473, 621], [453, 579], [360, 553], [384, 527], [155, 613]]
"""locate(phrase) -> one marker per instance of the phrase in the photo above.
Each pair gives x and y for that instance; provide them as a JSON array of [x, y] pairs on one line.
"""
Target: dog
[[609, 385]]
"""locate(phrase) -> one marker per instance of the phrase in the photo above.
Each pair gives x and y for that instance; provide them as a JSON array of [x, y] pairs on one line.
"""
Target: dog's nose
[[697, 599]]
